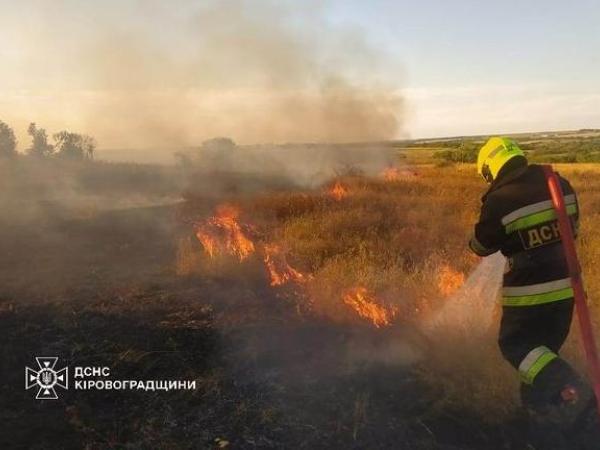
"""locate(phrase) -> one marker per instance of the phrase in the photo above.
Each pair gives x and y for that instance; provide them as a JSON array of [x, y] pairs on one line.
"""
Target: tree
[[465, 153], [219, 144], [8, 142], [218, 152], [89, 146], [74, 146], [39, 142]]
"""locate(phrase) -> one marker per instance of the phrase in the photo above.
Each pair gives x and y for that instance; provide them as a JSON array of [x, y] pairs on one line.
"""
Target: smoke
[[150, 73]]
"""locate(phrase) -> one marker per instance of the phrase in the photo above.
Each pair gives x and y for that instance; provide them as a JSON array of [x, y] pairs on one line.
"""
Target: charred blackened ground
[[324, 333]]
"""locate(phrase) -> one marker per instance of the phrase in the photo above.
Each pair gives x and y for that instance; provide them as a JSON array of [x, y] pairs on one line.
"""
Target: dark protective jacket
[[518, 218]]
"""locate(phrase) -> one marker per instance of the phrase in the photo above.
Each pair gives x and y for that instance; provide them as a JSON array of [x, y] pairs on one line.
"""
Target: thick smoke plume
[[150, 73]]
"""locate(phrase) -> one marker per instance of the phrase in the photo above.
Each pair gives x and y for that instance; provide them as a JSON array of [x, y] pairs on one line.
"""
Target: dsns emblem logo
[[46, 378]]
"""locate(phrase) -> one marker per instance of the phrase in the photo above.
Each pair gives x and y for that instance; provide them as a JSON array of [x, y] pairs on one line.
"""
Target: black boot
[[561, 404]]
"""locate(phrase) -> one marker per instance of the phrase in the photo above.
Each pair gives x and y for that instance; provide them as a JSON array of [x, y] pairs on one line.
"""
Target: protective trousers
[[558, 400]]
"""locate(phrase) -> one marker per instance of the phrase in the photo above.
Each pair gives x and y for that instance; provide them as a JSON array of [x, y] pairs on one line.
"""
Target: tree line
[[541, 151], [66, 145]]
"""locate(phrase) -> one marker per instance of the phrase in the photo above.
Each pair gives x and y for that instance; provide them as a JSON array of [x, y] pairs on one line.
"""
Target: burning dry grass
[[279, 270], [390, 252], [372, 242], [368, 307], [223, 233], [359, 261], [338, 191]]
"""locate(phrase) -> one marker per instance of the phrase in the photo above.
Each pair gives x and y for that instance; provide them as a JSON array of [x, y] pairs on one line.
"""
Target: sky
[[137, 73], [476, 67]]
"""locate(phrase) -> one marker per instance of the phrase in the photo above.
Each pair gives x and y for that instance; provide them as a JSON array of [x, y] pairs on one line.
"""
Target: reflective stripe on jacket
[[517, 218]]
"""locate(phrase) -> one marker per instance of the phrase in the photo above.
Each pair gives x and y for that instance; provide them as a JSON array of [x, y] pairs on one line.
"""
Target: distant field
[[557, 147]]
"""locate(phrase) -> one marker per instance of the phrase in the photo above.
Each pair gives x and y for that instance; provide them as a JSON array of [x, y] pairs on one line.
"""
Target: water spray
[[473, 304]]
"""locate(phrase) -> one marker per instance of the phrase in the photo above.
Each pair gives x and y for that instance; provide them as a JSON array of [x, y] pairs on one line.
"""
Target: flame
[[395, 173], [449, 280], [224, 234], [208, 242], [338, 191], [279, 270], [366, 307]]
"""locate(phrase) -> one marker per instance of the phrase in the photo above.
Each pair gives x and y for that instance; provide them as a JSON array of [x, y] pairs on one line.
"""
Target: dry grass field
[[308, 318]]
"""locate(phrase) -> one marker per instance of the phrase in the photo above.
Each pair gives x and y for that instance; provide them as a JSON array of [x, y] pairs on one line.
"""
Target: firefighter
[[518, 219]]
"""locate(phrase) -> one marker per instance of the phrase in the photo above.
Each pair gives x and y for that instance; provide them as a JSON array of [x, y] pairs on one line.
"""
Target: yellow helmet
[[496, 152]]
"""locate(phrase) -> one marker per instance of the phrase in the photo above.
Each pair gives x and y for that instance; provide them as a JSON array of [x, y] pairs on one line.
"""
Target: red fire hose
[[583, 314]]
